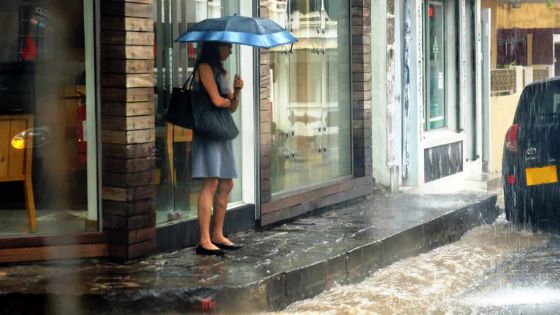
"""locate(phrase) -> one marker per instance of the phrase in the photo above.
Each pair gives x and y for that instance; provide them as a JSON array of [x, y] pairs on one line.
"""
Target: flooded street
[[445, 280]]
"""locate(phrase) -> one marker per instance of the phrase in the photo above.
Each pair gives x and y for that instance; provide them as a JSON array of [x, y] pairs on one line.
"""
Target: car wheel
[[509, 203], [521, 209], [515, 206]]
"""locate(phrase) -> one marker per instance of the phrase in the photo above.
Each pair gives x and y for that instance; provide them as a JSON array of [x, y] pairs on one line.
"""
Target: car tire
[[521, 209], [509, 203], [515, 208]]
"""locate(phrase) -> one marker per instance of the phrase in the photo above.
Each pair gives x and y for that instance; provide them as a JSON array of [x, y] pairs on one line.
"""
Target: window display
[[45, 134], [310, 87], [176, 191]]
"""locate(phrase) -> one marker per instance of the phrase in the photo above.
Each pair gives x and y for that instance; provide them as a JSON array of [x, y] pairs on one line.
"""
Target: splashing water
[[422, 284]]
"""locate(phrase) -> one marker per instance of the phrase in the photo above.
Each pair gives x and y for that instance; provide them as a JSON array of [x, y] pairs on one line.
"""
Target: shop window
[[310, 87], [434, 57], [47, 110], [176, 192]]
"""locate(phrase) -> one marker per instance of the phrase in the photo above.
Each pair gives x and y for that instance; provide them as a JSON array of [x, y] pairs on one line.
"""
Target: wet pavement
[[338, 245]]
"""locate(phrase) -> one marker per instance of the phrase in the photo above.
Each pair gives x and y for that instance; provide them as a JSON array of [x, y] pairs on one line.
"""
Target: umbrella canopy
[[235, 29]]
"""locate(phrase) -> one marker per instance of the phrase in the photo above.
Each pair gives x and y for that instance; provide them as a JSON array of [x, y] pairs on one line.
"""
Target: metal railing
[[540, 73], [503, 81], [513, 80]]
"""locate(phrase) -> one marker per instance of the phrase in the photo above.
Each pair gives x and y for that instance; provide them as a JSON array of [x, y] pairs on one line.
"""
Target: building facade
[[90, 168], [429, 80]]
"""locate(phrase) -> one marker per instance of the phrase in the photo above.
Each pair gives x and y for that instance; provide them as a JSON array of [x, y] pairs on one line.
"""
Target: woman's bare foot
[[221, 240], [208, 245]]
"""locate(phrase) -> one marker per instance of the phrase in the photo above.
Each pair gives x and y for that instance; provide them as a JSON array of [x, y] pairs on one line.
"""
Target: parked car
[[531, 156]]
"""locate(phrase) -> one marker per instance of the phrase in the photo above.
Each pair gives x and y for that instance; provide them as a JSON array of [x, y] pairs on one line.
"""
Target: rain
[[394, 157]]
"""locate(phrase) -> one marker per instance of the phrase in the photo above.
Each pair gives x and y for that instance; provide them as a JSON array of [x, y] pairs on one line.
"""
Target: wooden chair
[[15, 164], [177, 134]]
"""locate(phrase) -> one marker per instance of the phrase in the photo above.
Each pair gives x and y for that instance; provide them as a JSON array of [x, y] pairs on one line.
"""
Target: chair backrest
[[14, 163], [179, 134]]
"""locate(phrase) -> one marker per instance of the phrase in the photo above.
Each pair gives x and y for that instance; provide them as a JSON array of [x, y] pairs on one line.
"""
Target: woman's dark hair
[[209, 54]]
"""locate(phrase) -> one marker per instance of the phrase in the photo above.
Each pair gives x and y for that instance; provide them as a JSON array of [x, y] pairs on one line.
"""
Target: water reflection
[[423, 284]]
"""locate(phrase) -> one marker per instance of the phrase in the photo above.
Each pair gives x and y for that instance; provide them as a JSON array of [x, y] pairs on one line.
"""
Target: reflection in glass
[[310, 87], [176, 192], [43, 138], [31, 138]]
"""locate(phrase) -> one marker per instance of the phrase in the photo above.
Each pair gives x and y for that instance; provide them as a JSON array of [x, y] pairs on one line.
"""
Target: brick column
[[361, 87], [265, 120], [128, 133]]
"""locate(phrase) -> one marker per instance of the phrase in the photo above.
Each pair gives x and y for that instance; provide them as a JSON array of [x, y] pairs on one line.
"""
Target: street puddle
[[422, 284]]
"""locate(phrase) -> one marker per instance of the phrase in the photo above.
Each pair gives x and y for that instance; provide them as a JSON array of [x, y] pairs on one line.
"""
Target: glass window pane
[[435, 67], [311, 95], [176, 192], [44, 101]]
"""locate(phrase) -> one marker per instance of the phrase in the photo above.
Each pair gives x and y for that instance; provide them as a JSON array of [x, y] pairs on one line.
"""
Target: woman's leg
[[220, 206], [207, 192]]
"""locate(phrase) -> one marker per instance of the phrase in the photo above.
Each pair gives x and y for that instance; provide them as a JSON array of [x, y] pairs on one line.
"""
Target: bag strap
[[190, 79]]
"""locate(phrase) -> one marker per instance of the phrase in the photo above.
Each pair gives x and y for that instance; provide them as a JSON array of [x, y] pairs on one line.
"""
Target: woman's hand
[[237, 82], [226, 103], [237, 86]]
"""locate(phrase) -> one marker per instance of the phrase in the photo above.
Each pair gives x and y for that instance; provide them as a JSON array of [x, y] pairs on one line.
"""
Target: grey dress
[[213, 158]]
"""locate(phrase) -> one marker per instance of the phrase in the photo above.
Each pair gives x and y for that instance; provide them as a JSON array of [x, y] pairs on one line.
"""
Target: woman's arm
[[206, 76], [234, 96]]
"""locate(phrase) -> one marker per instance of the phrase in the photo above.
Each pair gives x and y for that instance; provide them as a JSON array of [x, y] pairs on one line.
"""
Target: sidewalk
[[338, 245]]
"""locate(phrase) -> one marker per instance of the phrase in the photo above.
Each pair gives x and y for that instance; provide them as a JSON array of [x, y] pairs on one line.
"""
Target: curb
[[280, 290]]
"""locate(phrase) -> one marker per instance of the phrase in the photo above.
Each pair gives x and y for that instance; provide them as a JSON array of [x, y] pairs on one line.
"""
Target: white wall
[[502, 110], [379, 91], [412, 169]]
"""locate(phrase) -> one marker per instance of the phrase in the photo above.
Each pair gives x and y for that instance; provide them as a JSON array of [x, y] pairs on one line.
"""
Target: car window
[[543, 104], [556, 103]]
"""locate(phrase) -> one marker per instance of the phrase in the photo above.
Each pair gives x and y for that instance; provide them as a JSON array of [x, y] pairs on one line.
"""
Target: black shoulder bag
[[210, 121], [180, 109]]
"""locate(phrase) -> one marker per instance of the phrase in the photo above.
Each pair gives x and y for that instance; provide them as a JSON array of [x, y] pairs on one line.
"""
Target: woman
[[212, 160]]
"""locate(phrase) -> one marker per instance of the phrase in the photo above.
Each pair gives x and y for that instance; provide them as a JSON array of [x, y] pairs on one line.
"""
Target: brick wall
[[265, 120], [127, 123], [361, 87]]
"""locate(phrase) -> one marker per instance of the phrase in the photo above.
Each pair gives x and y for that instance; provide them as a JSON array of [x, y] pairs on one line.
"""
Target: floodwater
[[429, 283]]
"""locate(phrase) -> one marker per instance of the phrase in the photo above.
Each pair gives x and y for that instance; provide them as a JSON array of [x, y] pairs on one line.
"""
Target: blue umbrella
[[235, 29]]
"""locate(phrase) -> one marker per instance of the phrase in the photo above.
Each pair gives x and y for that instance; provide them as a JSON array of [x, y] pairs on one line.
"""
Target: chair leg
[[30, 205], [169, 147]]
